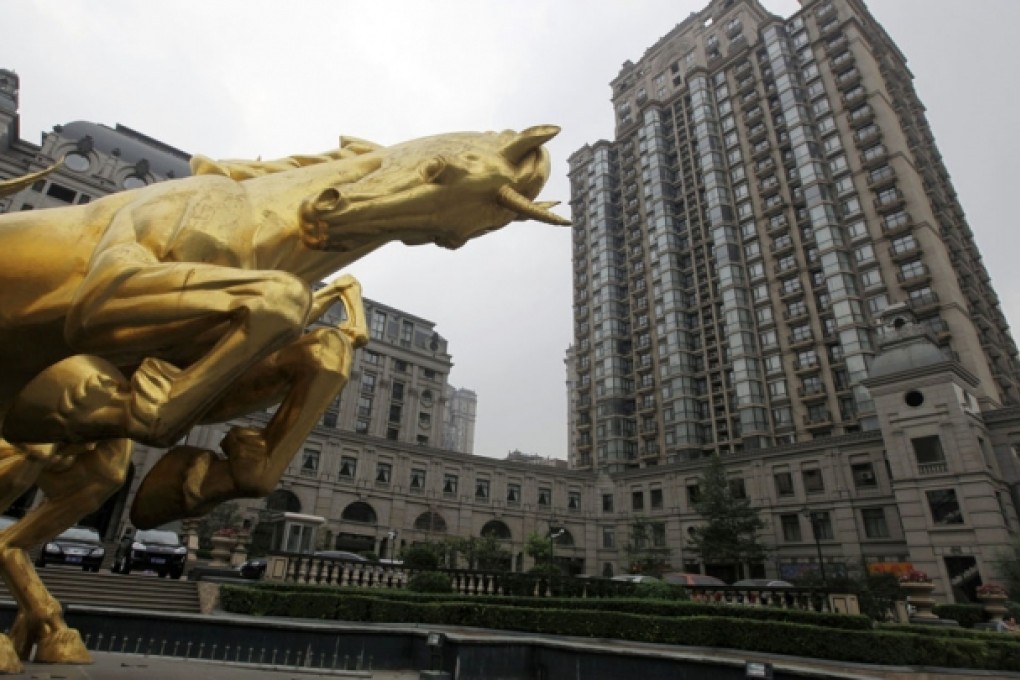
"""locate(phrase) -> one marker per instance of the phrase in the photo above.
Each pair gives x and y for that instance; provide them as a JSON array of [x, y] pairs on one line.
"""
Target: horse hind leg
[[90, 474]]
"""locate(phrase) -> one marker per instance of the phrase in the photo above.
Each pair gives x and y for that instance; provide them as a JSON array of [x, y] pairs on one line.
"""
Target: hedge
[[903, 645], [632, 605]]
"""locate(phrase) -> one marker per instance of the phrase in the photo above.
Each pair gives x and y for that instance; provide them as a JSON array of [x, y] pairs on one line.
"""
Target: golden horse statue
[[139, 315]]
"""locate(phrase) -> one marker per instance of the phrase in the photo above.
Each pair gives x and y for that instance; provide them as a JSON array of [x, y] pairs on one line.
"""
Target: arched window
[[359, 512], [431, 522], [497, 529], [283, 501]]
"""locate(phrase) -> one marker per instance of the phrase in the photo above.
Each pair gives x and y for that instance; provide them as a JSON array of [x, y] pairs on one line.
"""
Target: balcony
[[867, 136], [836, 47], [904, 252], [854, 97], [861, 116], [802, 367], [919, 304], [916, 277], [848, 78], [818, 419], [801, 341], [932, 468], [875, 156], [880, 178], [773, 206], [889, 200]]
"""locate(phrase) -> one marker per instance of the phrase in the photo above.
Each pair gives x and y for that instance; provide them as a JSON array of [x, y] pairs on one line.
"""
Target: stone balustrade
[[346, 573]]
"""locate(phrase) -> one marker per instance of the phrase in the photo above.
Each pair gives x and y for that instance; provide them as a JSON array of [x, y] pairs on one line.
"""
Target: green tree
[[226, 516], [540, 548], [643, 556], [730, 534], [486, 553]]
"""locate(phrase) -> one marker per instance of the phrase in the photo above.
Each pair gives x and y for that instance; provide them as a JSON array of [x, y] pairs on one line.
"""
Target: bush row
[[902, 646], [668, 608]]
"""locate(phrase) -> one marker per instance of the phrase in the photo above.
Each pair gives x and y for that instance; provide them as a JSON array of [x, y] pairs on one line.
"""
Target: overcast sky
[[242, 79]]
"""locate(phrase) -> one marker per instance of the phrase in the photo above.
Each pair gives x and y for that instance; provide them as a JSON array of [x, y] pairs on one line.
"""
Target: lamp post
[[391, 537], [815, 522]]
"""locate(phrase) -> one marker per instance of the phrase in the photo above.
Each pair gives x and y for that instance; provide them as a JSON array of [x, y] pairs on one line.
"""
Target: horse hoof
[[62, 646], [9, 661]]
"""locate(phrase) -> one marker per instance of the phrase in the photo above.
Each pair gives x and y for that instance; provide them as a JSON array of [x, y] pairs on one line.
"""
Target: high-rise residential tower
[[773, 185]]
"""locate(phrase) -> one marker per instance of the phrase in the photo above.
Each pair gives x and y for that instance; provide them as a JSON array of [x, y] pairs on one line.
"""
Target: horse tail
[[16, 184]]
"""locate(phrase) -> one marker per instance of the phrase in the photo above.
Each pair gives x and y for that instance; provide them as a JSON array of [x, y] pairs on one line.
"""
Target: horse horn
[[532, 138], [508, 197]]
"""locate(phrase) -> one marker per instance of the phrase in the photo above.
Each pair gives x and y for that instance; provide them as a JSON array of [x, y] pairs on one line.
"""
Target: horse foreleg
[[189, 481]]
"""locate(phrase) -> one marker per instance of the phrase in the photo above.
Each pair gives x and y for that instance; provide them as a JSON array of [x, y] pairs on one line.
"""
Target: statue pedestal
[[222, 545]]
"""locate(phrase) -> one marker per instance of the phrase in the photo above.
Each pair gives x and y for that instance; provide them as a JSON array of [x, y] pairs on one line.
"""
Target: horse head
[[445, 190]]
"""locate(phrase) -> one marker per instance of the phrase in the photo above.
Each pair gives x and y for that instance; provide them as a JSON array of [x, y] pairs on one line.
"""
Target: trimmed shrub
[[964, 614], [659, 590], [420, 558], [430, 582]]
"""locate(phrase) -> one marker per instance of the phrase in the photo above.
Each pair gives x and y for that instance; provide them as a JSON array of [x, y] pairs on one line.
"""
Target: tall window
[[449, 485], [607, 502], [310, 462], [791, 528], [874, 523], [637, 500], [929, 454], [513, 494], [655, 499], [784, 483], [573, 500], [821, 525], [544, 496], [383, 472], [864, 475], [945, 508], [608, 537], [813, 481], [417, 479], [348, 467], [378, 325], [482, 489]]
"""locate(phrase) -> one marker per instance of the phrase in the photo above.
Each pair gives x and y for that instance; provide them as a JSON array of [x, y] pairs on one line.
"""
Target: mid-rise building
[[772, 186]]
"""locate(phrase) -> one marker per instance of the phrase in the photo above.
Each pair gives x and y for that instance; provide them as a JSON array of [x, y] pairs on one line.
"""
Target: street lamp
[[391, 537], [816, 521], [554, 533]]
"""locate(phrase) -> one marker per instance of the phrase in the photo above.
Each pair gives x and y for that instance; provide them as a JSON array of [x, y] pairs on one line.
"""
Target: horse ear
[[328, 200], [432, 169], [358, 146]]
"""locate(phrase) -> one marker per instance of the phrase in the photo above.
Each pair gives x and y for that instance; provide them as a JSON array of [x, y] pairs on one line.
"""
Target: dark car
[[79, 546], [155, 550], [253, 569]]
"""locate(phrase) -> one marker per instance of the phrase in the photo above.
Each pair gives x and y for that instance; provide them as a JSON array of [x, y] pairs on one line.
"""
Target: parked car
[[763, 583], [340, 555], [636, 578], [78, 546], [253, 569], [685, 579], [151, 550]]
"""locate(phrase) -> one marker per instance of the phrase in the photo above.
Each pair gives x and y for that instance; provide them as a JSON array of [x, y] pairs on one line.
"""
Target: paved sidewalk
[[109, 666]]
